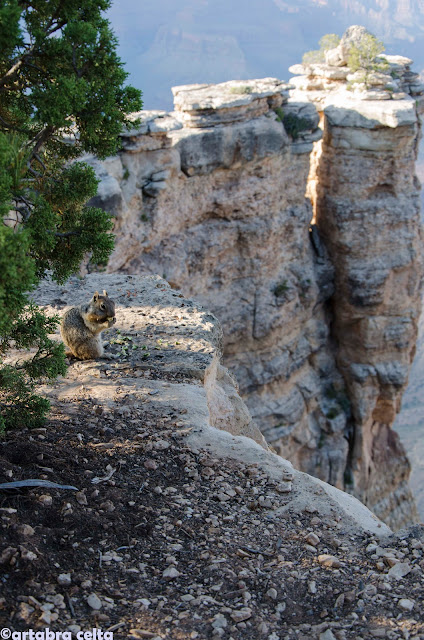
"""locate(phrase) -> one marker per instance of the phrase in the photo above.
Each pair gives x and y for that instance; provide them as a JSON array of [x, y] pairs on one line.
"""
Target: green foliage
[[62, 94], [340, 401], [280, 288], [333, 413], [19, 405], [364, 57], [364, 54], [348, 478], [292, 123], [280, 114], [295, 125], [242, 89], [17, 276], [327, 42]]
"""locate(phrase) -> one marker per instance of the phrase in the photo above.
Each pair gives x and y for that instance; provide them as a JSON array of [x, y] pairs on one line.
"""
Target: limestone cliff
[[366, 200], [212, 197], [164, 356]]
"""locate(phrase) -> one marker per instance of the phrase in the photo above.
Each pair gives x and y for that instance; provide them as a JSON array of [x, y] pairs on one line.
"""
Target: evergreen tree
[[327, 42], [364, 57], [62, 94]]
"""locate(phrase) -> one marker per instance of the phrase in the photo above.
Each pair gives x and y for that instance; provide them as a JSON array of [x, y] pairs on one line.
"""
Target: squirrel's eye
[[102, 307]]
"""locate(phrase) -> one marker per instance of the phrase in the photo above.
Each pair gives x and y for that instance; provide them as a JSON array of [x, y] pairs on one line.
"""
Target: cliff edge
[[318, 296], [154, 523]]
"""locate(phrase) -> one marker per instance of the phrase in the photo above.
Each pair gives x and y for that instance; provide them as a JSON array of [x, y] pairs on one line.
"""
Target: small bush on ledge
[[294, 125], [327, 42]]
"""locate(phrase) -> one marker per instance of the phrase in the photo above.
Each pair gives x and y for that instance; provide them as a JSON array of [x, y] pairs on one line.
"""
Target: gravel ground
[[160, 539], [161, 542]]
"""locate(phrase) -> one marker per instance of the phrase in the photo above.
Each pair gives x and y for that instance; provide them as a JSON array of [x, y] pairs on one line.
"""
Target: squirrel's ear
[[105, 293], [96, 295]]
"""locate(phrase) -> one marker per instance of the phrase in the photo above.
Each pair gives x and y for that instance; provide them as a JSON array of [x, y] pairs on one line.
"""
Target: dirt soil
[[161, 542], [159, 539]]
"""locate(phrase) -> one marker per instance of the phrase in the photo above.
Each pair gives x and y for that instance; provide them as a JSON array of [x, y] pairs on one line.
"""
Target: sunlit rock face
[[212, 197], [366, 202]]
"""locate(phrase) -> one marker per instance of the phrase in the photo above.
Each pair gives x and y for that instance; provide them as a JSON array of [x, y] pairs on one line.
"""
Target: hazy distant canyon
[[166, 43]]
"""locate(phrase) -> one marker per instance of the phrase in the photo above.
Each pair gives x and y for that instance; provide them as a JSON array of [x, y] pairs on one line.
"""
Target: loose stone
[[94, 602], [241, 614], [329, 561]]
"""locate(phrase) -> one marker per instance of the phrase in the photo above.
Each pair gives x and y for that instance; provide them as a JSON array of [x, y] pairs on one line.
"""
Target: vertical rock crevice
[[366, 206], [319, 320]]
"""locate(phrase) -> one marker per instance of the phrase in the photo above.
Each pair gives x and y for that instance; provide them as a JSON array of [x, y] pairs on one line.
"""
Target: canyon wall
[[366, 201], [319, 320]]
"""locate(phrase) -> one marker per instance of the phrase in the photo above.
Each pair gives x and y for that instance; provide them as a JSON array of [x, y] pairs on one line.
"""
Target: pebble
[[150, 464], [86, 584], [391, 561], [171, 573], [94, 602], [161, 445], [329, 561], [241, 614], [30, 556], [339, 601], [24, 612], [263, 628], [399, 570], [64, 579], [7, 555], [219, 621], [406, 604], [144, 602], [310, 548], [187, 597], [45, 500], [107, 506], [26, 530], [81, 498], [378, 633], [312, 586], [46, 617], [284, 487], [74, 628], [312, 539], [272, 593]]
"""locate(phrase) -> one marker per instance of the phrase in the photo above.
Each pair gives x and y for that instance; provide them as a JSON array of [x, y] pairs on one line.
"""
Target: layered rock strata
[[218, 208], [366, 200], [211, 197], [164, 362]]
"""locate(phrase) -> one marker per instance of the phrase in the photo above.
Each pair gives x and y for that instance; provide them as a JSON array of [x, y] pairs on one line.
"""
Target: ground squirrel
[[81, 327]]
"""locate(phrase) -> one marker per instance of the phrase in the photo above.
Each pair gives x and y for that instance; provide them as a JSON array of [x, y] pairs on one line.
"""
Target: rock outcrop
[[366, 201], [164, 355], [218, 209], [212, 198], [134, 512]]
